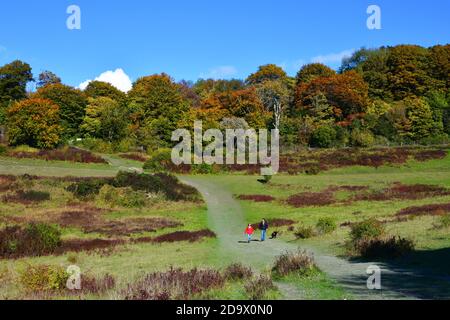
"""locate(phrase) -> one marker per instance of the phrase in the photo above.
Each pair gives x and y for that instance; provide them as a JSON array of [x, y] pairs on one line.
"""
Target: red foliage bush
[[311, 199], [427, 155], [430, 210], [401, 191], [65, 154], [191, 236], [134, 156], [256, 198]]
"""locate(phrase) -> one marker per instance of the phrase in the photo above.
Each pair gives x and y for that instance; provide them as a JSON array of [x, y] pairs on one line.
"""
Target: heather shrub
[[326, 225], [27, 197], [86, 189], [299, 262], [95, 285], [237, 271], [304, 232], [156, 183], [174, 284], [366, 230], [33, 240], [43, 278], [256, 289], [384, 248]]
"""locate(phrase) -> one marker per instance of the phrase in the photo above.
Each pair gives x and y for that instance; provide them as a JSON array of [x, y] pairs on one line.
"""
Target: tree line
[[381, 96]]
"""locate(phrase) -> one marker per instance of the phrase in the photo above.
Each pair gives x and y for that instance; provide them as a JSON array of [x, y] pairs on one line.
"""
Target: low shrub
[[175, 284], [326, 225], [91, 284], [367, 230], [304, 232], [256, 289], [33, 240], [444, 221], [256, 197], [191, 236], [299, 262], [125, 197], [323, 137], [43, 278], [311, 199], [87, 188], [203, 168], [63, 154], [385, 248], [27, 197], [159, 161], [237, 271]]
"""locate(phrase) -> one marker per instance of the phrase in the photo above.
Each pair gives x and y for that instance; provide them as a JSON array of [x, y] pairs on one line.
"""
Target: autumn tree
[[47, 77], [420, 115], [346, 93], [267, 72], [408, 72], [158, 106], [34, 122], [72, 103], [205, 88], [312, 71]]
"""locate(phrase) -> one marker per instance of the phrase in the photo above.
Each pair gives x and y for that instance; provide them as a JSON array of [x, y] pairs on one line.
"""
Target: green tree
[[158, 106], [420, 116], [34, 122], [14, 77], [97, 89], [276, 98], [323, 137], [72, 103], [105, 119]]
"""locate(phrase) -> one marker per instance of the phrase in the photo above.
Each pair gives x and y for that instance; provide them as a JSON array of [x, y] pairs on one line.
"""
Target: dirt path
[[226, 218]]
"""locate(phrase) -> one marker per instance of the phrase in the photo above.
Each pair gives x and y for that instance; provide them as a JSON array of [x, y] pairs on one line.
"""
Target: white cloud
[[117, 78], [220, 72], [333, 58]]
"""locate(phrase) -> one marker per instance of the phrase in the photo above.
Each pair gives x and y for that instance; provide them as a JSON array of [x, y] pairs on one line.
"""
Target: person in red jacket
[[249, 232]]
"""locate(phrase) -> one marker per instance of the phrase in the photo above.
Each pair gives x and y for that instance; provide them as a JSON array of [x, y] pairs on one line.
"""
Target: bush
[[174, 284], [237, 271], [86, 189], [34, 240], [381, 248], [326, 225], [256, 289], [299, 262], [43, 238], [203, 168], [367, 230], [323, 137], [160, 161], [362, 138], [304, 232], [125, 197], [444, 221], [43, 278]]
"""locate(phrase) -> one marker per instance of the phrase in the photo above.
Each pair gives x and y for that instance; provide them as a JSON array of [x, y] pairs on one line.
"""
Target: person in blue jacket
[[263, 226]]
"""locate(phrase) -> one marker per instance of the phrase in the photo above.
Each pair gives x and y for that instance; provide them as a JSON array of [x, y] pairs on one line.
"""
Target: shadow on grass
[[423, 274]]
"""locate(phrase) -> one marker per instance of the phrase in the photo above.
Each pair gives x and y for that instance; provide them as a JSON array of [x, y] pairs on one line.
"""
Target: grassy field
[[131, 261]]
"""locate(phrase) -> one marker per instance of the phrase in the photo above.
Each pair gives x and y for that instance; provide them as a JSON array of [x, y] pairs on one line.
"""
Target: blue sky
[[206, 38]]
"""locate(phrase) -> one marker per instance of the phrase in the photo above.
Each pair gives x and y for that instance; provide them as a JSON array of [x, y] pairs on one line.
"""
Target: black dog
[[274, 235]]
